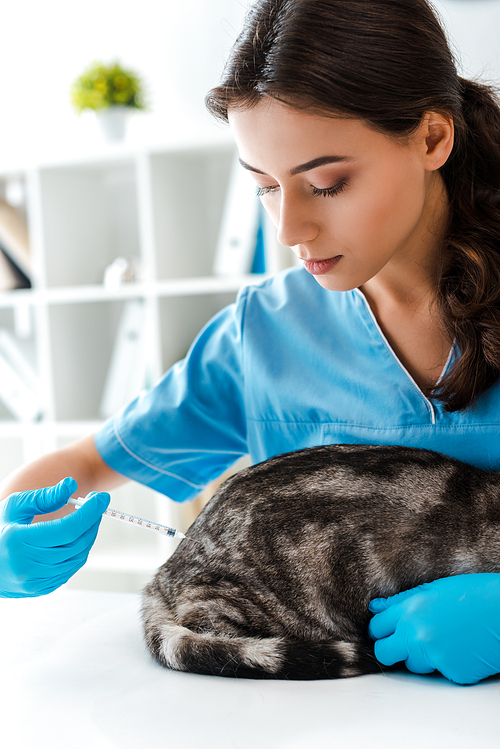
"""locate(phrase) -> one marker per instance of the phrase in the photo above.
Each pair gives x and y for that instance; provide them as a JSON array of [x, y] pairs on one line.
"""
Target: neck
[[411, 278]]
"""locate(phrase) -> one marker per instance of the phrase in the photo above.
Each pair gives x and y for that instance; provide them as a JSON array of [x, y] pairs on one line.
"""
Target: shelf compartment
[[189, 189], [82, 339], [12, 452], [17, 328], [90, 219]]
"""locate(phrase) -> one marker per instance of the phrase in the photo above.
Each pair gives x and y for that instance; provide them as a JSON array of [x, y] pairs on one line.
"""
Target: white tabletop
[[75, 674]]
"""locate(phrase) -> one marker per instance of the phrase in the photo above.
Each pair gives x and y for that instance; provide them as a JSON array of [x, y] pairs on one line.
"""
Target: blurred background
[[117, 249], [178, 48]]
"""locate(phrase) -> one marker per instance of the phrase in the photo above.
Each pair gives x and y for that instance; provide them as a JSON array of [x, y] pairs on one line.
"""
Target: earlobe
[[439, 137]]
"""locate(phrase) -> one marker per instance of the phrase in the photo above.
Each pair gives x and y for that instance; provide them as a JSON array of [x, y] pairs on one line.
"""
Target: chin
[[333, 284]]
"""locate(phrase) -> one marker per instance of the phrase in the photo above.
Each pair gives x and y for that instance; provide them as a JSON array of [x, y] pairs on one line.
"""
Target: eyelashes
[[327, 192], [330, 192], [261, 191]]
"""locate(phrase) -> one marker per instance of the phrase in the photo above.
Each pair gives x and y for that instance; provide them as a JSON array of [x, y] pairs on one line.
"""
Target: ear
[[438, 133]]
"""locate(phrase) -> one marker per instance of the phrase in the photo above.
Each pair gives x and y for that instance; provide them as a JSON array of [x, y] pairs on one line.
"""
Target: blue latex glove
[[36, 559], [451, 625]]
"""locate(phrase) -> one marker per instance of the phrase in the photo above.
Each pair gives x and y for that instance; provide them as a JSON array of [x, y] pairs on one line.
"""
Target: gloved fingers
[[385, 623], [37, 570], [43, 585], [54, 555], [393, 608], [48, 577], [21, 507], [396, 631], [381, 604], [391, 650], [418, 661], [396, 648], [68, 529]]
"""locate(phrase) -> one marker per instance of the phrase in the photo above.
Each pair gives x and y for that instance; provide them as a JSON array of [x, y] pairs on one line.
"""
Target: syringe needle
[[124, 517]]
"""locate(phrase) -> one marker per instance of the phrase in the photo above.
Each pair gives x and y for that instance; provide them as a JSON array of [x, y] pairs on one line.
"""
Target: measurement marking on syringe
[[141, 522]]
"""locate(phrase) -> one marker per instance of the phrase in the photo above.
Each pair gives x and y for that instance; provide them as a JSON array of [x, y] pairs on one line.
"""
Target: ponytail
[[468, 292]]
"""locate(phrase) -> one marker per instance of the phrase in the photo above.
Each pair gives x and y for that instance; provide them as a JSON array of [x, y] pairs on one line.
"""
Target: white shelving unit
[[160, 208]]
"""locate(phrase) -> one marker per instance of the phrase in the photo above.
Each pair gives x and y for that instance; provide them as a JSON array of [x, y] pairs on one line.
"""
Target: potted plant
[[112, 92]]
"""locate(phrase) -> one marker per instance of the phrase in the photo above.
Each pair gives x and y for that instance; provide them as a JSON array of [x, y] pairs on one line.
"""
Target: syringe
[[133, 520]]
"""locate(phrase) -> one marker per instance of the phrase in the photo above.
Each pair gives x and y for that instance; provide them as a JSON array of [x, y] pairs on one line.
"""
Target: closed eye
[[327, 192], [330, 192], [260, 191]]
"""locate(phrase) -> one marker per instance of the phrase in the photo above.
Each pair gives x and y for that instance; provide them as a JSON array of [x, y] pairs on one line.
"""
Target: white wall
[[474, 26], [177, 45]]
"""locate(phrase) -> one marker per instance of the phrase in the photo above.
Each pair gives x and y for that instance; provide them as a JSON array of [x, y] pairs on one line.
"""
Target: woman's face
[[351, 202]]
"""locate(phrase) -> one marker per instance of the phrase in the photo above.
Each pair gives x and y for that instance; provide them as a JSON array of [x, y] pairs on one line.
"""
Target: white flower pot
[[113, 122]]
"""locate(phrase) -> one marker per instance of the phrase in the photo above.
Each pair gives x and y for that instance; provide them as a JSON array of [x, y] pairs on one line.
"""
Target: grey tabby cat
[[276, 574]]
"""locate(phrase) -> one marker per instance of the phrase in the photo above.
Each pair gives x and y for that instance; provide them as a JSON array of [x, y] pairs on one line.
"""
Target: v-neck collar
[[430, 405]]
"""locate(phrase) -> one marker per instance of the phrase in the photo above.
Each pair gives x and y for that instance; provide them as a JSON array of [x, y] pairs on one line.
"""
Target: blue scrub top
[[289, 365]]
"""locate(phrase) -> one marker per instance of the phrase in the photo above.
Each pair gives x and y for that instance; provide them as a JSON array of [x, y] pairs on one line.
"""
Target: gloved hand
[[36, 559], [451, 625]]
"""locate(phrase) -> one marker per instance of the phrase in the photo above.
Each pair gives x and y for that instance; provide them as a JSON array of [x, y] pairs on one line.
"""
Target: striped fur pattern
[[275, 577]]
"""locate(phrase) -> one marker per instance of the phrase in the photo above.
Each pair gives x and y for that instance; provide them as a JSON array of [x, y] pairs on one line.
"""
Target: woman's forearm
[[80, 460]]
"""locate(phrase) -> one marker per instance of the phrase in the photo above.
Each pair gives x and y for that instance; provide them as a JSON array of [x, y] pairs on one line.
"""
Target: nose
[[295, 224]]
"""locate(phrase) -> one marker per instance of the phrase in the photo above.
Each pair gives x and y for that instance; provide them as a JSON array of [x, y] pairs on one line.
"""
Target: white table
[[75, 674]]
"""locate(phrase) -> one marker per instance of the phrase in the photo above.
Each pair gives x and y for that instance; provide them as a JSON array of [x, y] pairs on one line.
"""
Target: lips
[[319, 267]]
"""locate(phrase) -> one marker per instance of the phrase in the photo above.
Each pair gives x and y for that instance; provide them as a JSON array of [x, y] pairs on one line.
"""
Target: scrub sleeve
[[190, 427]]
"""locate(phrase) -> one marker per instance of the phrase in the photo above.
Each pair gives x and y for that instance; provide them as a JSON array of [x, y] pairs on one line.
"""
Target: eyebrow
[[313, 164]]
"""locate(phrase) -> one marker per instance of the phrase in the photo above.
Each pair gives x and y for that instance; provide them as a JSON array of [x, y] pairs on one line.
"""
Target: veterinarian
[[380, 167]]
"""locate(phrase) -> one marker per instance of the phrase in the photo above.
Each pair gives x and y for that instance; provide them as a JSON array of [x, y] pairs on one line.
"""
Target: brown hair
[[388, 62]]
